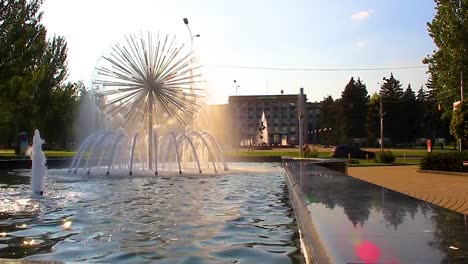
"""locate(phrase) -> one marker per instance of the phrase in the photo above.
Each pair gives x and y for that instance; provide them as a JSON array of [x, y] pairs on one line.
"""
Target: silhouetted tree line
[[426, 113], [33, 69], [407, 115]]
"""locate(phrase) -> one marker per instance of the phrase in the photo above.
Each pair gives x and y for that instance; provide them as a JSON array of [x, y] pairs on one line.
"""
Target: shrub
[[312, 154], [384, 157], [451, 161], [464, 155]]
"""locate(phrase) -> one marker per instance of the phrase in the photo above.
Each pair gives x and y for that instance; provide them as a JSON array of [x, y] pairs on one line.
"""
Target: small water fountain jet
[[38, 169]]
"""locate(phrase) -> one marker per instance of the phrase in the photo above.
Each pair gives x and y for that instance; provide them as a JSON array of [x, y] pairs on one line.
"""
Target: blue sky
[[285, 34]]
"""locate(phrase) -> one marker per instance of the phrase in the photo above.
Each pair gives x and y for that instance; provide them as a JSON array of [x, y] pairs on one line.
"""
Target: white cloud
[[361, 44], [361, 15]]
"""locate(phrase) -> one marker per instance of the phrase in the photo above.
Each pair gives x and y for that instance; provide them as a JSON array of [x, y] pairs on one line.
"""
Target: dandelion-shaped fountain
[[150, 89]]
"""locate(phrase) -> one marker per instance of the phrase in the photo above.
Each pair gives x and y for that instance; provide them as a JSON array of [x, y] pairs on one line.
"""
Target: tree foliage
[[22, 41], [459, 123], [32, 74], [373, 120], [449, 30], [407, 116], [328, 119], [354, 100], [410, 120], [392, 95]]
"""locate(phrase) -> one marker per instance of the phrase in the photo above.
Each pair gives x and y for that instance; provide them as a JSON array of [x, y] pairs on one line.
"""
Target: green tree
[[459, 123], [328, 118], [32, 73], [392, 97], [431, 124], [53, 70], [410, 124], [22, 42], [353, 103], [373, 120], [420, 108], [62, 114], [449, 30]]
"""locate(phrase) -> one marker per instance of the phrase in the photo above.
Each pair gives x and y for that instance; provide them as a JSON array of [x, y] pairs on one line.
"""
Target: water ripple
[[242, 217]]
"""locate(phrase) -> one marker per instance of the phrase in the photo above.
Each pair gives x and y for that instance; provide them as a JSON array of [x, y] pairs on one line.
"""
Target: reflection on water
[[363, 222], [240, 217]]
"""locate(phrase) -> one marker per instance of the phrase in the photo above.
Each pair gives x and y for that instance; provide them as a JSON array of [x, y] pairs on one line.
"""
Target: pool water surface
[[243, 216]]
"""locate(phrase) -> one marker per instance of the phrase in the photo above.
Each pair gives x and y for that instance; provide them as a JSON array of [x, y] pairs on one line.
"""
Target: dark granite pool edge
[[60, 163], [52, 163], [314, 250]]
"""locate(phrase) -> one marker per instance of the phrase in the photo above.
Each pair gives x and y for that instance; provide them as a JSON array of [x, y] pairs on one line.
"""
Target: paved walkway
[[445, 190]]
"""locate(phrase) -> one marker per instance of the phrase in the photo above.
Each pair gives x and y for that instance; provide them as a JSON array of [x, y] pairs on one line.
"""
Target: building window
[[275, 112], [276, 139]]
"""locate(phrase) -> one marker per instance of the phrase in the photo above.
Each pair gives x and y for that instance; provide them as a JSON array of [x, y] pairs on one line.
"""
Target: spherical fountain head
[[150, 80]]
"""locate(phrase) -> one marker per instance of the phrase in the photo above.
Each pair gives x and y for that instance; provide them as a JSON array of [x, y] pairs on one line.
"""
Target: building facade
[[313, 113], [282, 113]]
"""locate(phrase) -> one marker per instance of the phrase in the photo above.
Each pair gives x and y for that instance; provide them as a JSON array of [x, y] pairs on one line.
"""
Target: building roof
[[279, 97]]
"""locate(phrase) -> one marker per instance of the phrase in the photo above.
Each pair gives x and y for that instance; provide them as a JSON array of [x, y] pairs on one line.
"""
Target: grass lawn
[[291, 152], [413, 155], [325, 152], [10, 154]]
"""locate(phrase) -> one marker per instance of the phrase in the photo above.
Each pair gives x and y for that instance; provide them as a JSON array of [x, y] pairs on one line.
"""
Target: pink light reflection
[[368, 252]]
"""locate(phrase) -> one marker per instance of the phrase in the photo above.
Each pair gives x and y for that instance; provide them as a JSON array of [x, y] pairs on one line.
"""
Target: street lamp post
[[300, 114], [381, 115], [236, 85], [237, 118], [190, 32], [191, 49]]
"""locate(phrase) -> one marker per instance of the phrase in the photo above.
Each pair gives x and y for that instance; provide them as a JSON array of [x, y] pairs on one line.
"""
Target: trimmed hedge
[[384, 157], [450, 161]]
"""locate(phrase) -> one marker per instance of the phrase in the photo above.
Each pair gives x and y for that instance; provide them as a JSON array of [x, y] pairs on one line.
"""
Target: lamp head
[[185, 21]]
